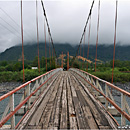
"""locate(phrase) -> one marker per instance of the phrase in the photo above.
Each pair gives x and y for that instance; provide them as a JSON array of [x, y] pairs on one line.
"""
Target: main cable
[[48, 28], [84, 30]]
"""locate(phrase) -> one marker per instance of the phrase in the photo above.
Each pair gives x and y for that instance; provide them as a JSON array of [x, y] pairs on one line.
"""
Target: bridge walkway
[[67, 104]]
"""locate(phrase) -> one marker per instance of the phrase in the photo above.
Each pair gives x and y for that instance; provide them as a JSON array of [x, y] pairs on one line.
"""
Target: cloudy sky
[[66, 19]]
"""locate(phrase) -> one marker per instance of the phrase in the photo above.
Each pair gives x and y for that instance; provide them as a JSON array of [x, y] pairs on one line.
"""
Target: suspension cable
[[97, 33], [37, 36], [52, 54], [114, 40], [10, 25], [49, 50], [84, 43], [45, 43], [80, 52], [14, 22], [22, 42], [48, 28], [88, 42], [9, 30], [90, 12], [83, 50]]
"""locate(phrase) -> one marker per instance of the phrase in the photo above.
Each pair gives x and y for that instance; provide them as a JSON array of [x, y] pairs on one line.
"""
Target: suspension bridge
[[72, 99]]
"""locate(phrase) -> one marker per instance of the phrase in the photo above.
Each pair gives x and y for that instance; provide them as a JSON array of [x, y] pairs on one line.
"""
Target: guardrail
[[103, 88], [32, 89]]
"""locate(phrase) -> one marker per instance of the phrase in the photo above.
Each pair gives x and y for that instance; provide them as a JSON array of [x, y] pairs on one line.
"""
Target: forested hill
[[105, 53]]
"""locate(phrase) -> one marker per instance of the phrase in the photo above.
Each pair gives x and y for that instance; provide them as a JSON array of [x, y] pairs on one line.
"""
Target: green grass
[[118, 76], [8, 76]]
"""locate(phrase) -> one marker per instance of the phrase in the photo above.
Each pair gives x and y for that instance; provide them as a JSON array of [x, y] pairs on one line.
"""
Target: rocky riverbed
[[8, 86], [125, 86]]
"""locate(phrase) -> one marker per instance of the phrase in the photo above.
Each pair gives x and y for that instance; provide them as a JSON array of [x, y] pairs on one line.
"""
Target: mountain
[[105, 52]]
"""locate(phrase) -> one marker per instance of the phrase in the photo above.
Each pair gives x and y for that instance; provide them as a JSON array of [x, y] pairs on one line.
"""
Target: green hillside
[[105, 53]]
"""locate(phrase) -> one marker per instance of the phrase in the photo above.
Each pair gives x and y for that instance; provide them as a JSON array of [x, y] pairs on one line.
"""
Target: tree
[[17, 67], [10, 67], [4, 63], [42, 62], [35, 62]]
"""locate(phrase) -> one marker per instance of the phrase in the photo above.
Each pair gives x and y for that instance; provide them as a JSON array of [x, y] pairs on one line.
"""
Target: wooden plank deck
[[67, 104]]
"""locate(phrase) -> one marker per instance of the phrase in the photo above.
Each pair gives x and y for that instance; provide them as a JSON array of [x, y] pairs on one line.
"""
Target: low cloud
[[66, 19]]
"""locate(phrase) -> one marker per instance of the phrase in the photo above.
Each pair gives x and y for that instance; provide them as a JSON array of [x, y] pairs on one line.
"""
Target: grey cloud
[[66, 19]]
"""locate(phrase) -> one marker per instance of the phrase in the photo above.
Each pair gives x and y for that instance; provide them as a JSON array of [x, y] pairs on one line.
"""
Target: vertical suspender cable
[[88, 42], [80, 50], [37, 37], [67, 61], [45, 43], [83, 49], [49, 50], [97, 34], [22, 42], [48, 28], [114, 40], [52, 54], [62, 60]]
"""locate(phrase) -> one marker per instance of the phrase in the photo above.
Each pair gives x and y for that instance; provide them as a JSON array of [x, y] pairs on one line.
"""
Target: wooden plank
[[54, 119], [96, 113], [87, 112], [30, 114], [47, 112], [72, 114], [79, 113], [37, 115], [63, 119]]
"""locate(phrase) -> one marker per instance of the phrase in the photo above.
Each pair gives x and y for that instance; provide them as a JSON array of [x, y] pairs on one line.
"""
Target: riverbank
[[5, 87], [118, 77]]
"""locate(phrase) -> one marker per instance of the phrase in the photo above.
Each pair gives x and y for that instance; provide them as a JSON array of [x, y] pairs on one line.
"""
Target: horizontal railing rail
[[103, 88], [32, 89]]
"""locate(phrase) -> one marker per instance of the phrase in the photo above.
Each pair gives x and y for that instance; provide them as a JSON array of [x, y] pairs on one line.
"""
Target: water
[[3, 104], [117, 100]]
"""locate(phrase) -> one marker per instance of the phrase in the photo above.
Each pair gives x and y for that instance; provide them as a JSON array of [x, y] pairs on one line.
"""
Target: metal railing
[[32, 89], [103, 88]]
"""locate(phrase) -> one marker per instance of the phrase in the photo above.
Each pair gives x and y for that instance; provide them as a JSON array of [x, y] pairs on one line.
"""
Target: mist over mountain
[[105, 52]]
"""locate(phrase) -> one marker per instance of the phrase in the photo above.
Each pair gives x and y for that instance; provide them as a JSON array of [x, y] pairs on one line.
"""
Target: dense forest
[[105, 53]]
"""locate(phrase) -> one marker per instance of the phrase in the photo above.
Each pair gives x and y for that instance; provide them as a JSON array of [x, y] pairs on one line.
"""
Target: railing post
[[96, 93], [42, 81], [106, 102], [28, 93], [12, 109], [45, 80], [37, 85], [91, 88], [123, 102]]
